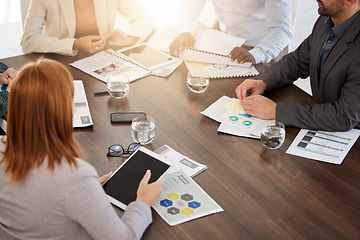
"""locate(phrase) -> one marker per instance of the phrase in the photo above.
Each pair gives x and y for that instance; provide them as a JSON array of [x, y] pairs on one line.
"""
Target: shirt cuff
[[258, 54]]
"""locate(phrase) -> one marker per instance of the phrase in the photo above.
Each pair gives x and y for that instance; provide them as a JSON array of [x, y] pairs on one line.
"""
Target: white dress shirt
[[265, 24], [50, 24]]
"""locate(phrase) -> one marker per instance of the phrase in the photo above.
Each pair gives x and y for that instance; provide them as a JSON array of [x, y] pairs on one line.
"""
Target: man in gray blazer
[[331, 57]]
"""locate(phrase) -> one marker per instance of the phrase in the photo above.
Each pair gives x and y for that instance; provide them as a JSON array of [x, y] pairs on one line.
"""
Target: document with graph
[[182, 200], [331, 147], [230, 112]]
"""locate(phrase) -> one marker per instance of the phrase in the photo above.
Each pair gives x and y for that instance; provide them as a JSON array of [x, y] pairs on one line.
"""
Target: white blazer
[[50, 24]]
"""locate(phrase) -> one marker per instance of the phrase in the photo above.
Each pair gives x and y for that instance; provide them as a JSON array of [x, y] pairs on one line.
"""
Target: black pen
[[101, 93]]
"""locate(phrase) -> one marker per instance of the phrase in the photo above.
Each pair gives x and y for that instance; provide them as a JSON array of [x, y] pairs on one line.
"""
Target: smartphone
[[125, 117]]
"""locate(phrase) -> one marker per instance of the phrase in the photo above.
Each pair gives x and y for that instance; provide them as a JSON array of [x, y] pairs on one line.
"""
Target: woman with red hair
[[46, 190]]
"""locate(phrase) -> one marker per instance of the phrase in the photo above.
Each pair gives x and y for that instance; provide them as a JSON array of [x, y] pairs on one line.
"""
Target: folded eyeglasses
[[117, 150]]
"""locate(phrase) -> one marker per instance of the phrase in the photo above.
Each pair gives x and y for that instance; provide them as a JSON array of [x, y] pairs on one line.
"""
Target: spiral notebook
[[196, 55], [212, 70], [103, 63]]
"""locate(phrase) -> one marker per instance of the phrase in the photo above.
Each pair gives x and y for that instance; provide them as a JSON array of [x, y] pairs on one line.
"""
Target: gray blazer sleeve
[[87, 204], [337, 87]]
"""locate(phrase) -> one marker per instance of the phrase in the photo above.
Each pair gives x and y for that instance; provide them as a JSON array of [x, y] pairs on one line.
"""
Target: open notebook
[[136, 61], [103, 63], [211, 70]]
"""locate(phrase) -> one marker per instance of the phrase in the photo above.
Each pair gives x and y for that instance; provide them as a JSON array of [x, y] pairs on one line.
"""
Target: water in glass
[[197, 84], [118, 85], [272, 137], [143, 130]]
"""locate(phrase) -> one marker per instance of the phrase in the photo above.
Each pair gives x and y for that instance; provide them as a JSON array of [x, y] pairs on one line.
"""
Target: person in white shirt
[[66, 26], [265, 24]]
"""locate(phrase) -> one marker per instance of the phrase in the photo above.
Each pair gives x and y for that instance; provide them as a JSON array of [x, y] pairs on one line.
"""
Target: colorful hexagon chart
[[173, 211], [187, 197], [194, 204], [166, 203], [176, 203], [187, 211], [173, 196]]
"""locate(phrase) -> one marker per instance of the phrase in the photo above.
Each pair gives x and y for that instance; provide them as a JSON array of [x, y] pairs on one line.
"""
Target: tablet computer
[[147, 56], [122, 186]]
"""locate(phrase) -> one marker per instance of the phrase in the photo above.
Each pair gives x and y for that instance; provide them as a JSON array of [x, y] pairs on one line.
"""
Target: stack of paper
[[234, 120]]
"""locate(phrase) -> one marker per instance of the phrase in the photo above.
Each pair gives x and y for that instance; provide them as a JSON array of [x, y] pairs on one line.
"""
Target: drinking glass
[[143, 129], [118, 84], [273, 136], [197, 84]]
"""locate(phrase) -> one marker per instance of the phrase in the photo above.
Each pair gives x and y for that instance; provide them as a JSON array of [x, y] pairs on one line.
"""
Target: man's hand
[[90, 44], [250, 87], [241, 55], [184, 40], [259, 106]]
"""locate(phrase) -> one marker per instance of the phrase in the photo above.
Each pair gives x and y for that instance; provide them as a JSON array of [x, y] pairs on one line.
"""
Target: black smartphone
[[125, 117]]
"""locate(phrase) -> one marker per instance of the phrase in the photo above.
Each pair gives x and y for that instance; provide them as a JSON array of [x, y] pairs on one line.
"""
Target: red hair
[[40, 116]]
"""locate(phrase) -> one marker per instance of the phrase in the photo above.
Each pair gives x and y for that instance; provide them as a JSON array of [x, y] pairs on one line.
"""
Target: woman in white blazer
[[66, 26]]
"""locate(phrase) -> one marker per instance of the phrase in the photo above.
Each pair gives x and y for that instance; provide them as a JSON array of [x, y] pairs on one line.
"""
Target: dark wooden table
[[266, 194]]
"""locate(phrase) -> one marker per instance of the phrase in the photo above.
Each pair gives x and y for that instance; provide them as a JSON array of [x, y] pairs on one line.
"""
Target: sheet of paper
[[181, 162], [330, 147], [166, 70], [103, 63], [241, 121], [224, 128], [82, 117], [182, 200], [215, 41], [200, 69]]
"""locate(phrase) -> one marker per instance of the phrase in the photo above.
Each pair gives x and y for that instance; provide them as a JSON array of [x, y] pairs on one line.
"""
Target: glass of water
[[118, 84], [273, 136], [197, 84], [143, 129]]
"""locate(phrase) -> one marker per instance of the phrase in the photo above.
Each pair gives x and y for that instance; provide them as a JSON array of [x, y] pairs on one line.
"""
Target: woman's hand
[[148, 193], [102, 179], [118, 38], [90, 44], [7, 76]]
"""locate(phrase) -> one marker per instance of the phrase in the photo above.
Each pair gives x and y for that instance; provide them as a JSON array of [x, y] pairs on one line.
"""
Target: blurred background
[[13, 12]]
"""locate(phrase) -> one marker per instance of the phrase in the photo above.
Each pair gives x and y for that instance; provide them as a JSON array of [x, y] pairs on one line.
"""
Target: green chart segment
[[234, 119]]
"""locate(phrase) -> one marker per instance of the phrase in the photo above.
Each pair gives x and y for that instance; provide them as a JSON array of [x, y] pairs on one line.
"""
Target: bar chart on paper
[[330, 147]]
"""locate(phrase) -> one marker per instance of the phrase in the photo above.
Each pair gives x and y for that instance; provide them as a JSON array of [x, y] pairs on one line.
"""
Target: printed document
[[230, 112], [330, 147], [82, 117], [181, 162], [182, 200]]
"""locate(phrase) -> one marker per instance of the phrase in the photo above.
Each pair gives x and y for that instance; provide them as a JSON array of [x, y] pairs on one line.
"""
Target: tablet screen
[[147, 56], [124, 183]]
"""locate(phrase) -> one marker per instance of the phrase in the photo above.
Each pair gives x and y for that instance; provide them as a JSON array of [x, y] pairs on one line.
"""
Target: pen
[[100, 93]]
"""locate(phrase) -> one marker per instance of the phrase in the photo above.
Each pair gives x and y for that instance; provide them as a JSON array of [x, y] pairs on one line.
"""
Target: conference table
[[265, 194]]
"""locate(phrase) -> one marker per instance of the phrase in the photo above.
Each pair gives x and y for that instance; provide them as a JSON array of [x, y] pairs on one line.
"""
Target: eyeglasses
[[117, 150]]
